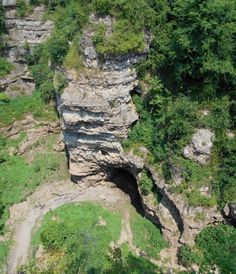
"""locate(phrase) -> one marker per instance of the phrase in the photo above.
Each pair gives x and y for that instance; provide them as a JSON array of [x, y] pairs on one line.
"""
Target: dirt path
[[25, 216]]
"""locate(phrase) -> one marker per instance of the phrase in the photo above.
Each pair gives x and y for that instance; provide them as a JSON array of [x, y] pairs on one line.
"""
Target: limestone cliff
[[23, 34], [96, 115], [97, 111]]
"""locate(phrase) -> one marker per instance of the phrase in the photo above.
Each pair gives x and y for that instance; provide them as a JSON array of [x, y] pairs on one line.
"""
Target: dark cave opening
[[125, 181]]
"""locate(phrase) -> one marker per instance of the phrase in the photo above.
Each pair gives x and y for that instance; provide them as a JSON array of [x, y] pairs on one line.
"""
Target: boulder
[[230, 211], [200, 148]]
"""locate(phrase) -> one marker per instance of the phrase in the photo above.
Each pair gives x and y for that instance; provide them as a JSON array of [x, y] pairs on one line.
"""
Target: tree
[[204, 46]]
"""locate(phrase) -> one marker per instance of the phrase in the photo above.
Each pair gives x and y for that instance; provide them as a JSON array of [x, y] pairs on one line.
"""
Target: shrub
[[5, 67], [22, 9], [186, 256], [146, 183], [41, 73], [102, 7], [58, 47], [218, 245], [47, 91]]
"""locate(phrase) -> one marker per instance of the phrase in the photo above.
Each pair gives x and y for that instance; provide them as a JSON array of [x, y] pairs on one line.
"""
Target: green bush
[[47, 91], [58, 47], [102, 7], [218, 245], [41, 73], [22, 9], [5, 67], [186, 256], [43, 77], [146, 183]]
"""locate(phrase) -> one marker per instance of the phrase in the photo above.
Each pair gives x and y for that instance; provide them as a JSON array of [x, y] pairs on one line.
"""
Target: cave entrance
[[125, 181]]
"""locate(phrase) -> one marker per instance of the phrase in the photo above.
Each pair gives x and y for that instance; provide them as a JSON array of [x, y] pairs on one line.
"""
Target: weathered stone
[[97, 112], [108, 62], [230, 211], [23, 34], [9, 3], [200, 148]]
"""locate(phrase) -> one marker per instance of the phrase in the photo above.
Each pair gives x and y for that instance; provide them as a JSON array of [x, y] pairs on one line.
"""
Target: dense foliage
[[191, 71], [218, 245]]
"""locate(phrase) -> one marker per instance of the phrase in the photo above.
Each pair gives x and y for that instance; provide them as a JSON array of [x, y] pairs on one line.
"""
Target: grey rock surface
[[200, 148], [108, 62], [23, 34], [230, 211], [97, 113]]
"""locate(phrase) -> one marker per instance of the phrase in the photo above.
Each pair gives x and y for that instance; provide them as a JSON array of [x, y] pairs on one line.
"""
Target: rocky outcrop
[[96, 115], [230, 212], [108, 62], [200, 148], [180, 222], [97, 111], [33, 130], [23, 34]]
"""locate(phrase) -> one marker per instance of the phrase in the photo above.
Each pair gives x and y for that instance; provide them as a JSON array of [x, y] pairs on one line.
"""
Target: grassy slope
[[18, 176], [147, 236], [18, 107], [79, 222]]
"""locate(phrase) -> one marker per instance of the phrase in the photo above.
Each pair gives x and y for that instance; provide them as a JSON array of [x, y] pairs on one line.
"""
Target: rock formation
[[23, 34], [97, 111], [200, 148], [96, 115]]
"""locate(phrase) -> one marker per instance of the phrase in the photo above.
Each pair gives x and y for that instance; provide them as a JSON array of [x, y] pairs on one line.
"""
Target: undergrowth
[[147, 236]]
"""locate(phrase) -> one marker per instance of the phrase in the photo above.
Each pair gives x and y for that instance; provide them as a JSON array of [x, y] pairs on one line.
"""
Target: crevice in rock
[[124, 180]]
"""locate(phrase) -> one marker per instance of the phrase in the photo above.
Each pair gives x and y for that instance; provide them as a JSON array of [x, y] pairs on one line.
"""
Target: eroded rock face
[[97, 111], [200, 148], [180, 223], [23, 34], [230, 212], [108, 62]]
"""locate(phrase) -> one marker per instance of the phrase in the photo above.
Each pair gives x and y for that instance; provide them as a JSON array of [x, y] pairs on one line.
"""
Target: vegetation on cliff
[[188, 82]]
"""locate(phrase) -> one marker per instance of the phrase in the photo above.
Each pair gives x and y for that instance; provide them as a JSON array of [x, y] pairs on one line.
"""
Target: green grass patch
[[147, 236], [123, 39], [19, 178], [82, 232], [20, 106], [124, 261], [4, 248]]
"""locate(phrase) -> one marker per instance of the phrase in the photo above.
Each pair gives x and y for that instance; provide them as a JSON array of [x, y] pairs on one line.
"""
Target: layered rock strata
[[97, 111], [96, 115], [23, 34]]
